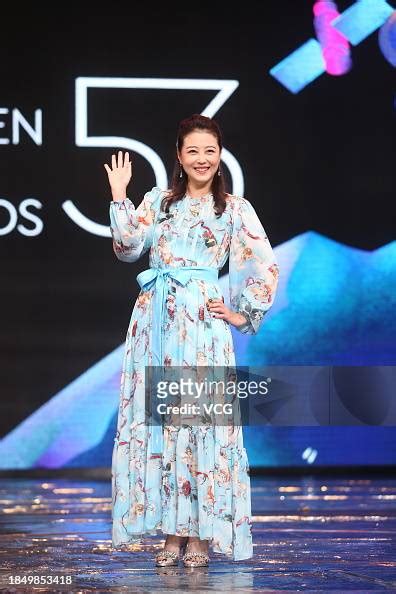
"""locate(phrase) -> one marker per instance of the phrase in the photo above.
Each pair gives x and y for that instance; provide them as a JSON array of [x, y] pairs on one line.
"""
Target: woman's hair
[[178, 187]]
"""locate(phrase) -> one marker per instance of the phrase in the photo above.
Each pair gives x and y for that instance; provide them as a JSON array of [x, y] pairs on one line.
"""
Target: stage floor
[[309, 533]]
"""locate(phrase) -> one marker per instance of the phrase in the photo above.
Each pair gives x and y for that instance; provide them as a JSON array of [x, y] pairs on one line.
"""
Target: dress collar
[[202, 198]]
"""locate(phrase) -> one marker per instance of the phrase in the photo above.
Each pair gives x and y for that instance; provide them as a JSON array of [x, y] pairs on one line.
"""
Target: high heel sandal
[[167, 558], [195, 559]]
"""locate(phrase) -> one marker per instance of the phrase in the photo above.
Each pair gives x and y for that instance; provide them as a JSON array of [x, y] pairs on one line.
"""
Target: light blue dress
[[196, 482]]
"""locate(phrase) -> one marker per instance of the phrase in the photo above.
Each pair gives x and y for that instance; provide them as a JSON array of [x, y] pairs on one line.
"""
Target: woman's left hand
[[216, 307]]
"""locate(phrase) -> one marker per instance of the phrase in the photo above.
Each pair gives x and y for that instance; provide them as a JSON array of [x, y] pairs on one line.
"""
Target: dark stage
[[310, 533]]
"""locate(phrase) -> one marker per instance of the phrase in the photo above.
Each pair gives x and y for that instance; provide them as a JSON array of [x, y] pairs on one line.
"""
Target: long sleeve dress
[[199, 484]]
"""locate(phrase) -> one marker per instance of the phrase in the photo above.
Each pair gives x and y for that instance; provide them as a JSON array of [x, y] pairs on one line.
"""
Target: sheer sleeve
[[253, 269], [132, 228]]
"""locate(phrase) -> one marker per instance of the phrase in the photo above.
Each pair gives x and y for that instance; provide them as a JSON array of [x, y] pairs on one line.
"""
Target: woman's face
[[200, 156]]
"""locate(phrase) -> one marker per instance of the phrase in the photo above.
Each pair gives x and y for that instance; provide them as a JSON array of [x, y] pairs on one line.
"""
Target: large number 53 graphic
[[225, 89]]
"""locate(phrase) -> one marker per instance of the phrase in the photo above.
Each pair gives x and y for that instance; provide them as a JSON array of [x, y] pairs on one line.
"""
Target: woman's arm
[[131, 228], [254, 270]]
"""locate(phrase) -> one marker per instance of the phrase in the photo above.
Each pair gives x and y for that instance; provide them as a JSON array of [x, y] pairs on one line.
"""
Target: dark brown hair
[[178, 187]]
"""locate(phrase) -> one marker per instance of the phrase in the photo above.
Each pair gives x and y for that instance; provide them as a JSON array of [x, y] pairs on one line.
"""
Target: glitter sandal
[[195, 559]]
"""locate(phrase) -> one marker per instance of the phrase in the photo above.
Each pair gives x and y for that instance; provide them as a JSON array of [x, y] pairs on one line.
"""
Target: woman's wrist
[[118, 194], [238, 319]]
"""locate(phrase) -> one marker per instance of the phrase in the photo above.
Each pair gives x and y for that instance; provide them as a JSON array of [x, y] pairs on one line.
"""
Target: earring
[[219, 172], [181, 171]]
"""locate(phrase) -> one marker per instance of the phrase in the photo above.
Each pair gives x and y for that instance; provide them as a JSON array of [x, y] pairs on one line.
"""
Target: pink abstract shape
[[335, 47]]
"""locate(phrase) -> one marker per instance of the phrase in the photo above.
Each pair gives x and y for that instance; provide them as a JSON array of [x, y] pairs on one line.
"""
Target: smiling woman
[[191, 479], [197, 169]]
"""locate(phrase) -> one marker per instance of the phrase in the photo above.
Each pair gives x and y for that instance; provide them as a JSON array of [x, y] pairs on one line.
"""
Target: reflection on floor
[[309, 534]]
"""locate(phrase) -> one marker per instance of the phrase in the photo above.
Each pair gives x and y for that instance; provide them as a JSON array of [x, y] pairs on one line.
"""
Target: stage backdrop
[[305, 95]]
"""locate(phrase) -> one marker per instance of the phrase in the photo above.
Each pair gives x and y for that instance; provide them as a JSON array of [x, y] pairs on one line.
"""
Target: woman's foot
[[173, 549], [196, 554]]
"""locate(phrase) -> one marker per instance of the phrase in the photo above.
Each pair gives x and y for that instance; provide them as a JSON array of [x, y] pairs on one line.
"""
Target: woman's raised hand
[[119, 174]]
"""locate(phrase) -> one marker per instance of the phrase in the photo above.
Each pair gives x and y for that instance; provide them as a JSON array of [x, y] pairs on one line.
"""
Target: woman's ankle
[[196, 544], [174, 542]]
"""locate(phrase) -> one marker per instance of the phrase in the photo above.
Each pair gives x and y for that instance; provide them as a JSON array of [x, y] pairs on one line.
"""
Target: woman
[[192, 482]]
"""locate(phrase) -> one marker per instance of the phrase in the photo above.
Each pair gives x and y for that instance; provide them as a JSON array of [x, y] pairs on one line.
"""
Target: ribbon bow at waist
[[158, 277], [182, 275]]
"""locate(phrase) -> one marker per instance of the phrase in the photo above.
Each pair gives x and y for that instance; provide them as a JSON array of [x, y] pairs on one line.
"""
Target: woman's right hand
[[119, 175]]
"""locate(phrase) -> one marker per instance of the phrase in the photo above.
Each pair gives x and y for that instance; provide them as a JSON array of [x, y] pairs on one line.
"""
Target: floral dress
[[198, 484]]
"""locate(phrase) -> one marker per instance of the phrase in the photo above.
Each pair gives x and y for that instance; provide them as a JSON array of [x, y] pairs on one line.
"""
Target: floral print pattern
[[199, 485]]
